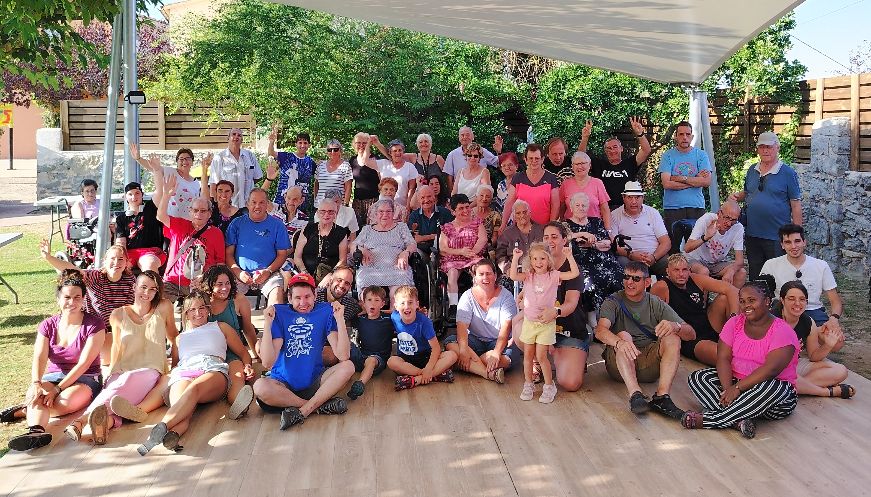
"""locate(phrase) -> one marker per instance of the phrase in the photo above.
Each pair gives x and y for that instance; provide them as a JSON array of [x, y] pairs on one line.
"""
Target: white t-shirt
[[404, 175], [717, 248], [185, 193], [456, 161], [815, 274], [644, 229], [242, 173]]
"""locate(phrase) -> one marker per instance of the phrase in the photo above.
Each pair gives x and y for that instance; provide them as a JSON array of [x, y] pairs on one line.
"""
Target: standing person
[[756, 369], [538, 187], [461, 245], [375, 333], [508, 164], [649, 241], [398, 168], [65, 367], [366, 178], [685, 171], [713, 237], [236, 165], [138, 230], [333, 174], [614, 169], [772, 197], [187, 188], [294, 168], [456, 159], [89, 206], [541, 282], [474, 174], [581, 181], [427, 162], [556, 159]]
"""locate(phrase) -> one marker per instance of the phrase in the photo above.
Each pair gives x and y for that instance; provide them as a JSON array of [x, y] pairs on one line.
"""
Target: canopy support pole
[[131, 111], [701, 122]]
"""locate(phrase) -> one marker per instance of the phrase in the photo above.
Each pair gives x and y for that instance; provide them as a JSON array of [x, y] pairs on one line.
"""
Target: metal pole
[[109, 141], [701, 121], [10, 148], [131, 112]]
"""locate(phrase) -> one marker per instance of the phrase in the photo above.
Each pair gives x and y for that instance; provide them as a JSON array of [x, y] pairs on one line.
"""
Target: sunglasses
[[762, 183], [634, 278], [798, 274], [473, 156], [334, 150]]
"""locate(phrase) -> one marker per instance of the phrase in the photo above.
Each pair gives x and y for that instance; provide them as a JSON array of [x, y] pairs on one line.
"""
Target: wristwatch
[[559, 312]]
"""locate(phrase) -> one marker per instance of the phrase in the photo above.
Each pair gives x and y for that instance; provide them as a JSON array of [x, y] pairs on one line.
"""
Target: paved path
[[18, 193]]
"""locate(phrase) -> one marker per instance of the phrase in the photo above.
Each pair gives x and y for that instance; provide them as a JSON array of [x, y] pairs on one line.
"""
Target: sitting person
[[385, 246], [89, 206], [289, 212], [427, 221], [336, 287], [687, 294], [419, 358], [375, 334], [66, 365], [708, 246], [201, 375], [461, 245], [323, 245], [816, 374], [346, 218], [138, 230], [491, 218], [298, 384], [484, 316], [649, 242], [642, 337], [441, 192], [756, 369], [519, 234], [137, 374], [223, 211], [387, 191]]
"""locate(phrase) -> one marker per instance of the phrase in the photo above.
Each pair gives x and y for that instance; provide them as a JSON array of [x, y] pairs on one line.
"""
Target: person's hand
[[644, 257], [567, 251], [603, 245], [338, 310], [426, 375], [627, 348], [134, 151], [729, 395], [248, 371], [491, 360], [261, 277], [464, 357], [269, 312], [245, 277], [587, 129], [548, 315], [711, 229], [273, 135], [517, 252], [637, 127], [498, 142], [831, 337], [402, 260], [169, 185], [206, 163], [833, 324], [665, 328], [44, 248], [373, 139], [733, 196], [704, 173], [51, 393], [34, 395], [271, 168], [368, 257]]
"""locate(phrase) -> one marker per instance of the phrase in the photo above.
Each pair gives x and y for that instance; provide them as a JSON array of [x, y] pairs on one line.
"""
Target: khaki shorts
[[274, 281], [646, 364], [715, 268]]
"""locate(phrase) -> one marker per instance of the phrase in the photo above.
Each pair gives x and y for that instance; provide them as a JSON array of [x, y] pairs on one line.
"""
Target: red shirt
[[178, 231]]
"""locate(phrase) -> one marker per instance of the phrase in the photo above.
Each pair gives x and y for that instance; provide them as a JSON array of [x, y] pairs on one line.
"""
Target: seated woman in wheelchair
[[89, 206], [461, 246]]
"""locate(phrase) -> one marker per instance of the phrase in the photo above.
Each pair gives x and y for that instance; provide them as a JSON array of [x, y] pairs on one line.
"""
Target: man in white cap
[[772, 198], [643, 224]]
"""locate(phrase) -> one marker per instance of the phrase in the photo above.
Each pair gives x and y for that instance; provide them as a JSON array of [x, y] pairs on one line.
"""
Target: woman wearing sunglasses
[[473, 175], [333, 174]]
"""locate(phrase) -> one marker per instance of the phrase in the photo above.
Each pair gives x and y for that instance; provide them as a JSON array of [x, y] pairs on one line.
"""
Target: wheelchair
[[81, 243]]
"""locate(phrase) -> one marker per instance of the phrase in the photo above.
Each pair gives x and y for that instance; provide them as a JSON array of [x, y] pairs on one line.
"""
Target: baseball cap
[[767, 138], [302, 278]]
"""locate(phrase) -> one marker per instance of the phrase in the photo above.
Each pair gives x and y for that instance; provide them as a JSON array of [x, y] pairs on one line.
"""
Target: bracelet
[[639, 135], [59, 389], [836, 315], [737, 387], [619, 340], [270, 179]]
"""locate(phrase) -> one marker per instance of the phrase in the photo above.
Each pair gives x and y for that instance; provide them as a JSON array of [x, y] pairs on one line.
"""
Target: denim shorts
[[479, 346], [92, 381], [359, 360], [565, 341], [198, 365]]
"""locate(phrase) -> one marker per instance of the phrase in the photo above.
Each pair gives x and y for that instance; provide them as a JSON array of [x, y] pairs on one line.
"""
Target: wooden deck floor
[[470, 438]]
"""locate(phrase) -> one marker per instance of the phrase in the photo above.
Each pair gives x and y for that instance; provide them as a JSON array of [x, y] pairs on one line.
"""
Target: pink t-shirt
[[539, 293], [749, 354], [594, 189]]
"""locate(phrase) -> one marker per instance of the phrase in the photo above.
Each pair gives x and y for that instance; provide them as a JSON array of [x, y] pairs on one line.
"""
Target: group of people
[[570, 233]]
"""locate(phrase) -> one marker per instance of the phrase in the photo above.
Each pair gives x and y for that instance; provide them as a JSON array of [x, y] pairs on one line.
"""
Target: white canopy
[[669, 41]]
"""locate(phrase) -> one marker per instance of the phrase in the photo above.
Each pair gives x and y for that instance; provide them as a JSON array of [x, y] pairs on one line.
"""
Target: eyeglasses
[[327, 211], [727, 218], [473, 156], [197, 211], [334, 150], [798, 274], [762, 183], [632, 277]]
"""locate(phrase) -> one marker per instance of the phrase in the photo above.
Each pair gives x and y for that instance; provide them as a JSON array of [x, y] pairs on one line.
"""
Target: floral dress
[[460, 238], [491, 221], [603, 274]]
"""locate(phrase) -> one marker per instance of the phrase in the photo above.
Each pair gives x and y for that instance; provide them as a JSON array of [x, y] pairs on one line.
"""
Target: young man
[[298, 385], [292, 168]]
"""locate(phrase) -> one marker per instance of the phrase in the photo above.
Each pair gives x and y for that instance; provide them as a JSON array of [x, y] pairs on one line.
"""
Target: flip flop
[[847, 391], [98, 420]]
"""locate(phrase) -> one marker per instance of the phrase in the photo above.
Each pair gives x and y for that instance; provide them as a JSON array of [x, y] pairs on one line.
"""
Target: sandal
[[691, 420], [98, 420], [847, 391], [8, 415], [497, 375], [73, 431]]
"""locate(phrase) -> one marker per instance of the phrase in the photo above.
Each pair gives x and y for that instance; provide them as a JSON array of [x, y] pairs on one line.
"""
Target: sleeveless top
[[229, 316], [207, 339], [365, 180], [690, 305], [469, 187], [142, 345], [427, 170]]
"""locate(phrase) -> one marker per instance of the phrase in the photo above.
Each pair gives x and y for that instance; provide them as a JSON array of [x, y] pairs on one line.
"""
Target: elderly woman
[[346, 217], [597, 196], [755, 375], [816, 374], [484, 211], [461, 244], [322, 246], [65, 370], [386, 246], [333, 174], [508, 164], [519, 234], [474, 174], [536, 186], [137, 373], [426, 162], [484, 316], [591, 247], [201, 375]]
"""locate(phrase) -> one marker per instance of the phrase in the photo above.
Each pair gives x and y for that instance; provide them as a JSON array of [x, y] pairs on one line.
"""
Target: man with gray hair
[[520, 235], [236, 165], [456, 159], [426, 222], [713, 237]]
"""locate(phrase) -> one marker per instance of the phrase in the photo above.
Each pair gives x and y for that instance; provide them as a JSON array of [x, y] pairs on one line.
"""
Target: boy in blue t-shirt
[[419, 358], [297, 384], [375, 333]]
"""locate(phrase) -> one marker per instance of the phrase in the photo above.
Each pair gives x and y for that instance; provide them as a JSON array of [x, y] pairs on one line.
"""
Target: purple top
[[63, 359]]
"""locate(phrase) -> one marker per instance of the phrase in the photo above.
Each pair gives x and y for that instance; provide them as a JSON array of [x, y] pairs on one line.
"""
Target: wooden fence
[[83, 127]]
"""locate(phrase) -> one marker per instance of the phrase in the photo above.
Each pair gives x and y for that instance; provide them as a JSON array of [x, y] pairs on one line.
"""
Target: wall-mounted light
[[135, 97]]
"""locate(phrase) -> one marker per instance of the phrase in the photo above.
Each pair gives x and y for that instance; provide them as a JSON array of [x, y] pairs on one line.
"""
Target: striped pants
[[771, 399]]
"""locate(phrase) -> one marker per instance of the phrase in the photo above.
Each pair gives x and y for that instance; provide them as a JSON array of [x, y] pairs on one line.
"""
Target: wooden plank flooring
[[471, 438]]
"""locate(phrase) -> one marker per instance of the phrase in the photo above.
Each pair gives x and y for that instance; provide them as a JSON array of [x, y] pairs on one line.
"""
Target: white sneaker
[[528, 391], [548, 393], [243, 401]]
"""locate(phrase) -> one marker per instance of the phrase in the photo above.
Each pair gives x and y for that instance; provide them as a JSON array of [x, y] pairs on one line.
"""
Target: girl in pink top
[[756, 369], [541, 282]]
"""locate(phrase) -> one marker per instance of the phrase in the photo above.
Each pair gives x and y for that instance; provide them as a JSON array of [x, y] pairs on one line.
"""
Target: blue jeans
[[818, 315], [563, 341], [92, 381]]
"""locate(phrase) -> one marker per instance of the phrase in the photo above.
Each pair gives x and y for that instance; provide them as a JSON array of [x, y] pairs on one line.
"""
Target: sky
[[826, 31]]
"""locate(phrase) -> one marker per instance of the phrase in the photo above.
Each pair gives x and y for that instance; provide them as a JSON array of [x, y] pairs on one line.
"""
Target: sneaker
[[170, 441], [98, 420], [446, 377], [35, 438], [125, 409], [154, 439], [548, 393], [638, 403], [528, 391], [746, 426], [290, 416], [404, 382], [8, 415], [497, 375], [242, 403], [357, 389], [663, 405], [336, 405]]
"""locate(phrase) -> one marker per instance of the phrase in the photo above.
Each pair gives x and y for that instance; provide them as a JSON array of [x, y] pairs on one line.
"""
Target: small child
[[387, 189], [375, 333], [541, 282], [419, 358]]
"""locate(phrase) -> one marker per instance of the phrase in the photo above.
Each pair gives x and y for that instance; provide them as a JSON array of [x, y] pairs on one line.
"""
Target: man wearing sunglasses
[[713, 237], [772, 198], [642, 337]]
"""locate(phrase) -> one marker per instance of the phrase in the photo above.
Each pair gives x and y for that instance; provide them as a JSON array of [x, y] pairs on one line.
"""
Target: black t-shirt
[[222, 222], [562, 171], [802, 328], [575, 322], [615, 177], [365, 181], [321, 250], [141, 230]]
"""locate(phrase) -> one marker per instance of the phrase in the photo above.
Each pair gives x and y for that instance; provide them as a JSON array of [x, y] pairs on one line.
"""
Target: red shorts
[[135, 254]]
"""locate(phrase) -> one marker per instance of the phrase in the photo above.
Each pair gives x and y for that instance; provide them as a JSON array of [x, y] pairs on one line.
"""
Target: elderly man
[[557, 161], [291, 168], [426, 222], [236, 165], [649, 242], [615, 170], [257, 246], [642, 337], [520, 235], [713, 237], [685, 171], [773, 198], [456, 159], [815, 274]]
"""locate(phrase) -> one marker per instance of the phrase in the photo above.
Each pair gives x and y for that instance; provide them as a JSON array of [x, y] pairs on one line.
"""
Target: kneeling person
[[375, 334]]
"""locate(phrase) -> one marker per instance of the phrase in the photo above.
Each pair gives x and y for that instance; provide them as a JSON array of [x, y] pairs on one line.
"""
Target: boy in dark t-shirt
[[375, 333]]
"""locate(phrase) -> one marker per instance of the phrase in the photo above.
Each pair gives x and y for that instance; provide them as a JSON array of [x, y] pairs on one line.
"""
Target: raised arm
[[163, 203], [514, 274], [59, 264], [204, 176], [269, 347], [573, 271], [339, 340], [644, 148], [585, 136]]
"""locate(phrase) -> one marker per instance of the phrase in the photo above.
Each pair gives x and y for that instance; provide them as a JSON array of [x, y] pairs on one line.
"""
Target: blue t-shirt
[[769, 209], [375, 335], [299, 361], [429, 225], [413, 338], [293, 170], [256, 243], [688, 164]]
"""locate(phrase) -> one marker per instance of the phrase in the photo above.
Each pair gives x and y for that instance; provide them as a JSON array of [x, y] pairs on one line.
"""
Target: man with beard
[[336, 287]]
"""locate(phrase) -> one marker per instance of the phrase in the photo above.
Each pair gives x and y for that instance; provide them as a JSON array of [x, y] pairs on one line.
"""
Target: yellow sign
[[6, 115]]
